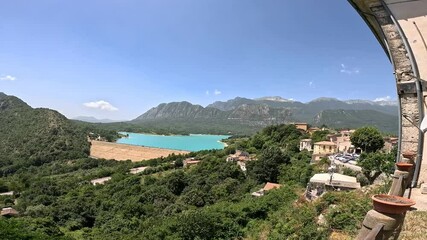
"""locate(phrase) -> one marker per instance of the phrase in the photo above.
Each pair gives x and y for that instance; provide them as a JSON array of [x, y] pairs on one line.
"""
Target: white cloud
[[103, 105], [311, 84], [217, 92], [207, 92], [349, 71], [7, 78], [381, 99]]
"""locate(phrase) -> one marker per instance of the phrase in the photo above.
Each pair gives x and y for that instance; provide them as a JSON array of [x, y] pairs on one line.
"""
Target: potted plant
[[402, 166], [409, 154], [391, 204]]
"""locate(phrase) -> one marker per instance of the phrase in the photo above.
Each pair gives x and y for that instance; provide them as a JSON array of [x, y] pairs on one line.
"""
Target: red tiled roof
[[269, 186]]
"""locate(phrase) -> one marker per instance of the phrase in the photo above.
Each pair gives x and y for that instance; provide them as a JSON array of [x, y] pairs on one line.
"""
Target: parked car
[[345, 160]]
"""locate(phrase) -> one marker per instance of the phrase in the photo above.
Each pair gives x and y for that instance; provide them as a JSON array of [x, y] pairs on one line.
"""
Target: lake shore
[[122, 152]]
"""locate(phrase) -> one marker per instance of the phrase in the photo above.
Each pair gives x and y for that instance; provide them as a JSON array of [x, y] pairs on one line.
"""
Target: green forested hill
[[42, 160], [356, 119], [211, 200], [35, 136]]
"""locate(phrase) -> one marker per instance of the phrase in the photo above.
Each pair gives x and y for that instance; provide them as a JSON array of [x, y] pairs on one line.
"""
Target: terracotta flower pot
[[391, 204], [401, 166], [409, 154]]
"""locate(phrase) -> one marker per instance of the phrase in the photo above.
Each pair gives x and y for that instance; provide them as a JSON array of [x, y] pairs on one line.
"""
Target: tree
[[176, 182], [318, 136], [14, 229], [375, 163], [369, 139], [299, 171], [266, 169]]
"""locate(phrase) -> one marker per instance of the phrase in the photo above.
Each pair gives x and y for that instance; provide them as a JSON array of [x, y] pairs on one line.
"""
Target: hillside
[[213, 198], [184, 110], [311, 107], [186, 117], [246, 116], [356, 119], [35, 136]]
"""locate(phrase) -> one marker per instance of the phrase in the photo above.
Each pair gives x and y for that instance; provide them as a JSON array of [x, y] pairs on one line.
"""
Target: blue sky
[[116, 59]]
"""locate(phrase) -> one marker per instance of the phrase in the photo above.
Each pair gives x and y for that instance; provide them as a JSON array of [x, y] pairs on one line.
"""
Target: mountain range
[[94, 120], [240, 115]]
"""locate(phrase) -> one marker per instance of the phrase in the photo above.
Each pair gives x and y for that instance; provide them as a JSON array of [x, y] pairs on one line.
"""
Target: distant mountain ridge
[[94, 120], [261, 112], [356, 119], [251, 114], [238, 116], [274, 99]]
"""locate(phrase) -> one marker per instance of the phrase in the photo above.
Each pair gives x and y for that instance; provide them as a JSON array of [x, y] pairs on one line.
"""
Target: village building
[[8, 212], [390, 143], [190, 162], [323, 149], [347, 132], [268, 186], [306, 144], [241, 157], [335, 181], [323, 182], [100, 181], [137, 170], [343, 141], [333, 137], [301, 126], [7, 193], [344, 144], [238, 156], [313, 129]]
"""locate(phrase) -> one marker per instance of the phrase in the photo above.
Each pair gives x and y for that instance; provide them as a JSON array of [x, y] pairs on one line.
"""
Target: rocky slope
[[275, 110]]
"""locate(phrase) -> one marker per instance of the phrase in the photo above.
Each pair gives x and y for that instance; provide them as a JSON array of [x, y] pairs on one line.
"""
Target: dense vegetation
[[211, 200], [35, 136], [373, 160], [208, 201], [99, 131]]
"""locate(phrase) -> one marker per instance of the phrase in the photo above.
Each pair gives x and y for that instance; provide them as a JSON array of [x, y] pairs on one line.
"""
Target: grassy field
[[124, 152], [414, 227]]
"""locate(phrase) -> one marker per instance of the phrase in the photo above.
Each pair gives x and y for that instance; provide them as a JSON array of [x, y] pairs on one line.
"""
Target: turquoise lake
[[193, 142]]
